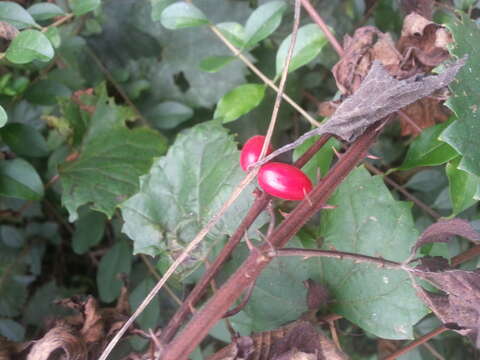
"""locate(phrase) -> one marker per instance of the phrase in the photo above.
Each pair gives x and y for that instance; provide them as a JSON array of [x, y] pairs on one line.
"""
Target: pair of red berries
[[277, 179]]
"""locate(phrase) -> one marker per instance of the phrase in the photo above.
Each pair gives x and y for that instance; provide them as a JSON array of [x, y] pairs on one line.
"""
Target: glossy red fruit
[[251, 151], [284, 181]]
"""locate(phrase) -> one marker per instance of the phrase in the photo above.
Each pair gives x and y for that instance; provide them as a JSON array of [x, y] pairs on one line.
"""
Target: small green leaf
[[428, 150], [264, 21], [320, 163], [89, 229], [116, 261], [149, 317], [29, 45], [382, 302], [24, 140], [12, 236], [239, 101], [234, 32], [46, 92], [16, 15], [462, 134], [310, 41], [45, 11], [182, 15], [80, 7], [3, 117], [462, 187], [19, 179], [53, 35], [169, 114], [12, 330], [157, 8], [215, 63]]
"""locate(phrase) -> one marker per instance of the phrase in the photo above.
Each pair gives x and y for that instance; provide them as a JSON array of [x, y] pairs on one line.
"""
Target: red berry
[[284, 181], [251, 151]]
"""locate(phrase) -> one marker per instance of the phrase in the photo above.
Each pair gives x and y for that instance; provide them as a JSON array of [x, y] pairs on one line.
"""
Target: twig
[[59, 22], [409, 120], [466, 256], [199, 237], [243, 303], [400, 189], [157, 276], [264, 78], [326, 30], [416, 343]]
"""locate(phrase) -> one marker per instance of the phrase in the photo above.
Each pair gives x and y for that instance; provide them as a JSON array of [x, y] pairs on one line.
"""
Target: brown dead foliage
[[299, 340], [421, 47]]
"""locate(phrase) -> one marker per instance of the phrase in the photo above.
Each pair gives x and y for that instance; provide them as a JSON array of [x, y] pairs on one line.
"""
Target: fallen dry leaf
[[421, 7], [7, 31]]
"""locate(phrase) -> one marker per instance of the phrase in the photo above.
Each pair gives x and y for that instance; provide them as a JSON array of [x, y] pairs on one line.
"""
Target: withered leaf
[[443, 230], [7, 31], [422, 7], [459, 307], [378, 96], [62, 336], [424, 113]]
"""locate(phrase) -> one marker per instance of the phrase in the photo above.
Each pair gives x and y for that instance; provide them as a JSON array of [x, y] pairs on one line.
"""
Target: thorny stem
[[319, 21], [258, 259], [258, 206]]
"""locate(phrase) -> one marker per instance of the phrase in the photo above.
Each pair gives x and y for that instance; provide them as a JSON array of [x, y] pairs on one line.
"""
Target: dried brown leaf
[[93, 327], [424, 113], [444, 230], [62, 336], [459, 307], [7, 31], [421, 7]]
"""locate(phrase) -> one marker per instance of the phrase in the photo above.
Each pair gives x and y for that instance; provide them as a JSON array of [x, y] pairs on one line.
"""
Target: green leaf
[[12, 330], [310, 41], [182, 15], [46, 92], [116, 261], [24, 140], [81, 7], [264, 21], [16, 15], [239, 101], [462, 135], [169, 114], [234, 32], [214, 63], [12, 236], [320, 163], [53, 35], [29, 45], [89, 230], [19, 179], [41, 304], [3, 117], [462, 187], [148, 319], [183, 190], [428, 150], [157, 8], [382, 302], [45, 11], [112, 157]]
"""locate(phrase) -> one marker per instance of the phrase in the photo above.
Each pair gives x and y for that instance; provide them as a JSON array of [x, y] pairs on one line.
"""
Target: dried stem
[[416, 343], [258, 259], [319, 21]]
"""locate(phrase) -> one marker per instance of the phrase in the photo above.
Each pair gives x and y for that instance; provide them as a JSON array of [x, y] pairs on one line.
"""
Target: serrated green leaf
[[182, 15], [462, 187], [183, 190], [111, 159], [462, 135], [46, 92], [19, 179], [45, 11], [382, 302], [12, 330], [239, 101], [310, 41], [3, 117], [234, 32], [89, 230], [24, 140], [169, 114], [214, 63], [264, 21], [29, 45], [81, 7], [116, 261], [428, 150], [320, 163], [16, 15]]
